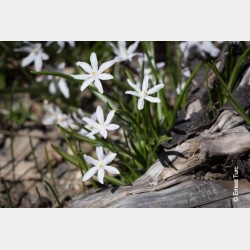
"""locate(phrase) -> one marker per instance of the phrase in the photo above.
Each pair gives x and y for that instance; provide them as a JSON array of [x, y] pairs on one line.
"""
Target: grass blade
[[54, 193]]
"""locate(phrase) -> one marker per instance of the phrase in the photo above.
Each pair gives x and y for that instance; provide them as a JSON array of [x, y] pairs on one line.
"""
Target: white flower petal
[[38, 63], [141, 103], [81, 77], [145, 83], [155, 89], [28, 60], [44, 56], [48, 43], [114, 48], [86, 83], [94, 62], [132, 47], [109, 117], [49, 120], [99, 152], [152, 99], [112, 170], [85, 66], [89, 173], [110, 157], [103, 133], [63, 87], [37, 46], [130, 56], [52, 88], [183, 46], [99, 114], [105, 76], [61, 66], [105, 66], [90, 122], [61, 45], [119, 59], [93, 132], [71, 44], [90, 160], [160, 65], [135, 87], [122, 46], [112, 126], [129, 92], [100, 175], [98, 85], [27, 49], [210, 48]]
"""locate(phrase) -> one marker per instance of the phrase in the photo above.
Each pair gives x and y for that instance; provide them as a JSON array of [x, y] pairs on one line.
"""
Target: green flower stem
[[179, 100], [229, 96], [234, 76]]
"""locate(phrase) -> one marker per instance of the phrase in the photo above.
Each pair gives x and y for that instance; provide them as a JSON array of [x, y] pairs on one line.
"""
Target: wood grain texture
[[189, 193]]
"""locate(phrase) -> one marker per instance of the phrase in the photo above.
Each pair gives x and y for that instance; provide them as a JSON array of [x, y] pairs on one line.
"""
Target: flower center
[[101, 125], [100, 164], [94, 73], [59, 118], [124, 54], [144, 93], [35, 51]]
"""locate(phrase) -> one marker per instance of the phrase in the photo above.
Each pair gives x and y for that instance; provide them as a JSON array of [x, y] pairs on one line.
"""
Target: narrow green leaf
[[66, 156], [54, 193], [179, 100], [238, 67], [229, 96]]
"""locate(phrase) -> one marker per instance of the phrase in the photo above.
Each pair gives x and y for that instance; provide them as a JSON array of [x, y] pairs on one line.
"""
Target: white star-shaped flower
[[144, 93], [36, 55], [94, 74], [100, 165], [123, 53], [56, 83], [101, 126], [54, 115]]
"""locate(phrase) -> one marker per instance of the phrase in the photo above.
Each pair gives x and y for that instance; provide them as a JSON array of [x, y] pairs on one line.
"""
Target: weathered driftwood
[[189, 193], [169, 182]]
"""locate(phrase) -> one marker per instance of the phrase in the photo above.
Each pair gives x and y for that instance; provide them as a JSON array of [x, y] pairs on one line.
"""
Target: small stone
[[61, 169], [25, 170]]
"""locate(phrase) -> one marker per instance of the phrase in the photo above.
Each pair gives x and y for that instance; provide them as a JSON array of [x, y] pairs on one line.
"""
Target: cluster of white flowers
[[90, 126], [56, 83], [101, 126], [96, 124], [37, 55]]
